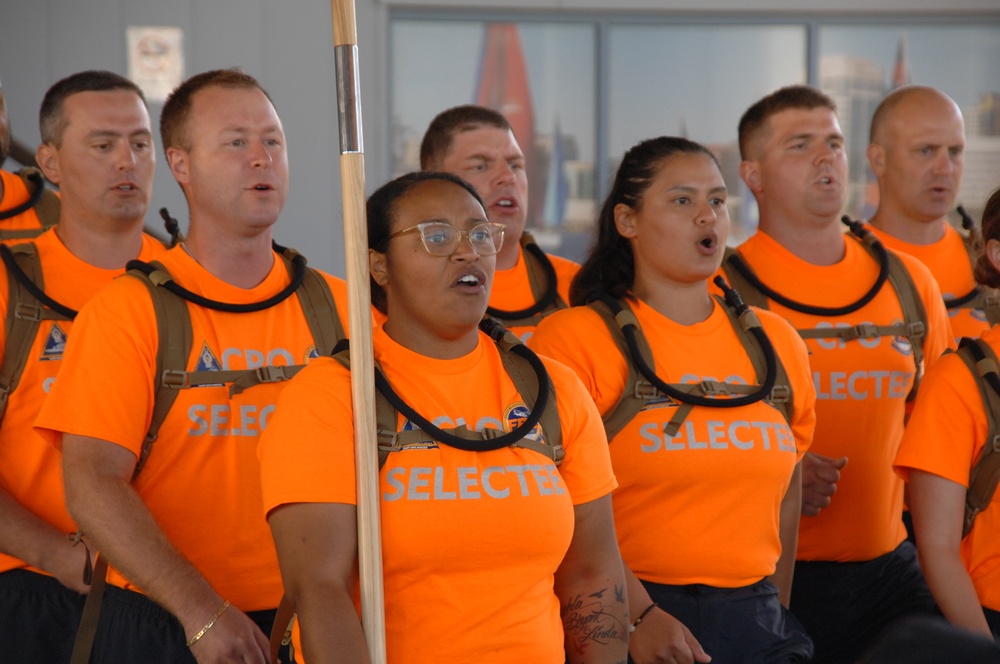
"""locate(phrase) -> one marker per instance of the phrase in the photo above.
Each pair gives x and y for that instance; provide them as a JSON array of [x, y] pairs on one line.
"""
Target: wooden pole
[[352, 178]]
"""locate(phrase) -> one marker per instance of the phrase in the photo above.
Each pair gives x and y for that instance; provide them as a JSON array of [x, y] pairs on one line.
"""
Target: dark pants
[[38, 618], [845, 606], [930, 640], [134, 628], [993, 620], [736, 625]]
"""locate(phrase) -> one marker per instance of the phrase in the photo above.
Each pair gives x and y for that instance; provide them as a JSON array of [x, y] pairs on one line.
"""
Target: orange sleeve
[[307, 451], [112, 351], [947, 429]]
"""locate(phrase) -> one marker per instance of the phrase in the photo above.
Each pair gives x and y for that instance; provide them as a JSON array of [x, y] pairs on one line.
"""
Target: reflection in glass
[[696, 81], [542, 76], [859, 64]]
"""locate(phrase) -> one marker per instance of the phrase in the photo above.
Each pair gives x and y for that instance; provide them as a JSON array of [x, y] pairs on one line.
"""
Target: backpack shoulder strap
[[991, 305], [318, 306], [173, 327], [732, 261], [985, 474], [24, 316], [914, 315], [391, 439], [638, 391], [386, 415], [781, 394], [48, 205], [522, 374], [538, 276], [542, 280]]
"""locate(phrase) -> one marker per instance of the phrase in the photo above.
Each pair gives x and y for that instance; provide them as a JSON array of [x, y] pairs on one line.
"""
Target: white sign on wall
[[155, 59]]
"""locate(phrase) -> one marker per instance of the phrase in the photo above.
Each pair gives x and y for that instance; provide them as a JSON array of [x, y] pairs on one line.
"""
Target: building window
[[581, 89]]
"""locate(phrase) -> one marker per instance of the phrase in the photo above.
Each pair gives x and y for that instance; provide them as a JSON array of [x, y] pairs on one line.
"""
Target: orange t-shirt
[[861, 390], [945, 436], [702, 506], [471, 540], [14, 194], [30, 468], [201, 479], [948, 261], [511, 290]]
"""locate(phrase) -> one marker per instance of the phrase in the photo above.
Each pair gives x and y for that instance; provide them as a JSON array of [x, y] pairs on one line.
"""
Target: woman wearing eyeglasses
[[497, 534]]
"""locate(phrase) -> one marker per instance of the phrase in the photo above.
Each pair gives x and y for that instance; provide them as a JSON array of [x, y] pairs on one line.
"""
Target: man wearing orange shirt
[[20, 197], [195, 572], [917, 152], [854, 571], [478, 145], [98, 146]]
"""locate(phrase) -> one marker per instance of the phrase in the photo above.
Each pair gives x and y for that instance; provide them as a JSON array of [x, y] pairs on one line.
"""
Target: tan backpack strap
[[390, 439], [747, 291], [541, 277], [318, 306], [991, 305], [281, 629], [173, 327], [985, 474], [48, 209], [781, 393], [87, 630], [536, 275], [24, 316], [914, 316], [526, 383], [864, 331], [638, 391], [972, 238]]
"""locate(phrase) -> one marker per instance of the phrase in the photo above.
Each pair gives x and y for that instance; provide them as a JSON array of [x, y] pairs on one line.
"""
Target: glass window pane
[[437, 64], [696, 81], [859, 64]]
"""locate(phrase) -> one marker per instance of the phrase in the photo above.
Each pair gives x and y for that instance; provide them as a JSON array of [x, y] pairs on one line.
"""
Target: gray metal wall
[[288, 46]]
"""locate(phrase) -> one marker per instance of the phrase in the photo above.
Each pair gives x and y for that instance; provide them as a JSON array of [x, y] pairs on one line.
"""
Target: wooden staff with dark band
[[352, 178]]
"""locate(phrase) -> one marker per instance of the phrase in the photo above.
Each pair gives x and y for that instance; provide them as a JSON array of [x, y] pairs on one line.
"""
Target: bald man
[[917, 151]]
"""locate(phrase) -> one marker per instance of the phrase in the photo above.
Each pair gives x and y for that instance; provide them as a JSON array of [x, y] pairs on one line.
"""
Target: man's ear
[[876, 159], [750, 173], [47, 158], [180, 164]]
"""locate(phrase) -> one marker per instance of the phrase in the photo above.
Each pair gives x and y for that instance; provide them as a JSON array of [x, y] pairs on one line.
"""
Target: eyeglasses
[[442, 239]]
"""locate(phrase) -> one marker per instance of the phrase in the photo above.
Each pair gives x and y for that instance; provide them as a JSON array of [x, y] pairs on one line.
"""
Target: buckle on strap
[[712, 388], [26, 311], [915, 329], [388, 441], [866, 331], [175, 380], [780, 394], [271, 373], [645, 391]]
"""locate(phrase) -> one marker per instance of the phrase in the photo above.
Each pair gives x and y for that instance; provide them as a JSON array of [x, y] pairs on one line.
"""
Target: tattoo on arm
[[590, 620]]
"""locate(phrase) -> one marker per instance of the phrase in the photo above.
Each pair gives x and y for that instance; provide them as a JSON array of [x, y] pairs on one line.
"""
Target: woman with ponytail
[[708, 406]]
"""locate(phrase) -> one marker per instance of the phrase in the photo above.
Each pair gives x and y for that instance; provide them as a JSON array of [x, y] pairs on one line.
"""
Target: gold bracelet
[[218, 614]]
